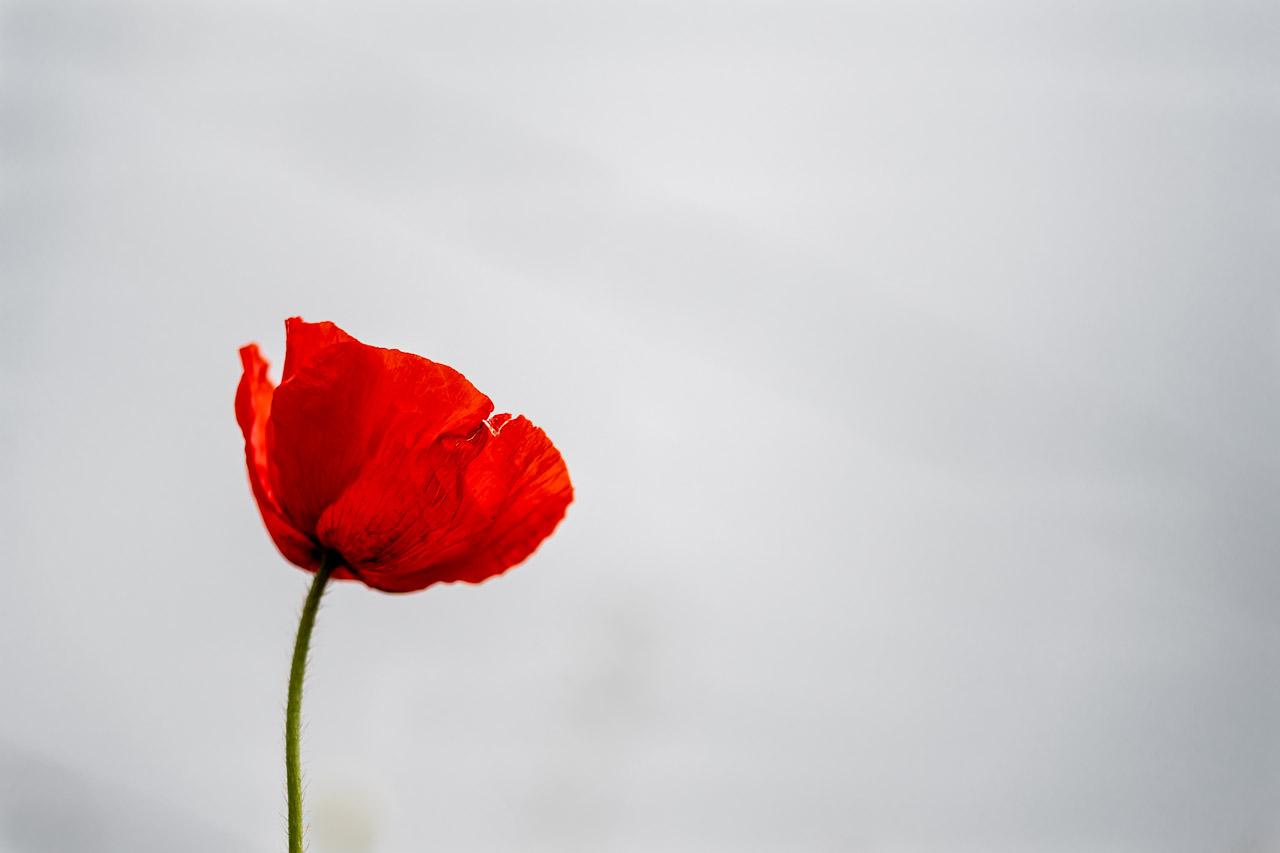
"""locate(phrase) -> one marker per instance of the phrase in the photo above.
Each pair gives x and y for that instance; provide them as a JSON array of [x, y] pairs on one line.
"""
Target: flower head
[[391, 465]]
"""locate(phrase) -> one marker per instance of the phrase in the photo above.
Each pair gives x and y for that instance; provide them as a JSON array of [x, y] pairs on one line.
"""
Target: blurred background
[[917, 365]]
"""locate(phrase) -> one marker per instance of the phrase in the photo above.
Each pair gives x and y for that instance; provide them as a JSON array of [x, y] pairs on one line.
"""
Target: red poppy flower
[[390, 466]]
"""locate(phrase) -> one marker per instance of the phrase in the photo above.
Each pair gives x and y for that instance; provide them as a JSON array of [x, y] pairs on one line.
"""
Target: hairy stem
[[293, 711]]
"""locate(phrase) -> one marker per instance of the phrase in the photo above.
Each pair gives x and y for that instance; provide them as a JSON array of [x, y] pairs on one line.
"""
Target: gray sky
[[917, 366]]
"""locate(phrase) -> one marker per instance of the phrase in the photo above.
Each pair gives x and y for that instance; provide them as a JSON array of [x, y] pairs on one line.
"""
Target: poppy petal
[[305, 340], [334, 409], [454, 509], [522, 483], [253, 407]]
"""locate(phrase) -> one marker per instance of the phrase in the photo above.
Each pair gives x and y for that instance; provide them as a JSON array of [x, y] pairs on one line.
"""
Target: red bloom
[[392, 465]]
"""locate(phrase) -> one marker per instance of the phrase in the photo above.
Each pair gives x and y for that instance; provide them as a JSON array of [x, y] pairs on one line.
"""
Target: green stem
[[293, 711]]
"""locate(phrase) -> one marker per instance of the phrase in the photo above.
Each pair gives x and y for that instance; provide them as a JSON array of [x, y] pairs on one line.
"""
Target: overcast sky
[[917, 366]]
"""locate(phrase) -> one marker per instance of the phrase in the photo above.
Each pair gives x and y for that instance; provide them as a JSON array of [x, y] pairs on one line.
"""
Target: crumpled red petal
[[456, 509], [253, 408], [331, 413], [520, 487]]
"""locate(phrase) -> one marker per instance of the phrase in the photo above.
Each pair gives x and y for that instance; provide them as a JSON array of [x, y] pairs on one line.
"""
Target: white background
[[917, 366]]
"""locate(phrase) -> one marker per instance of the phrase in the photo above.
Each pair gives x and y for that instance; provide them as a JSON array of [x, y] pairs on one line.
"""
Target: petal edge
[[253, 408]]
